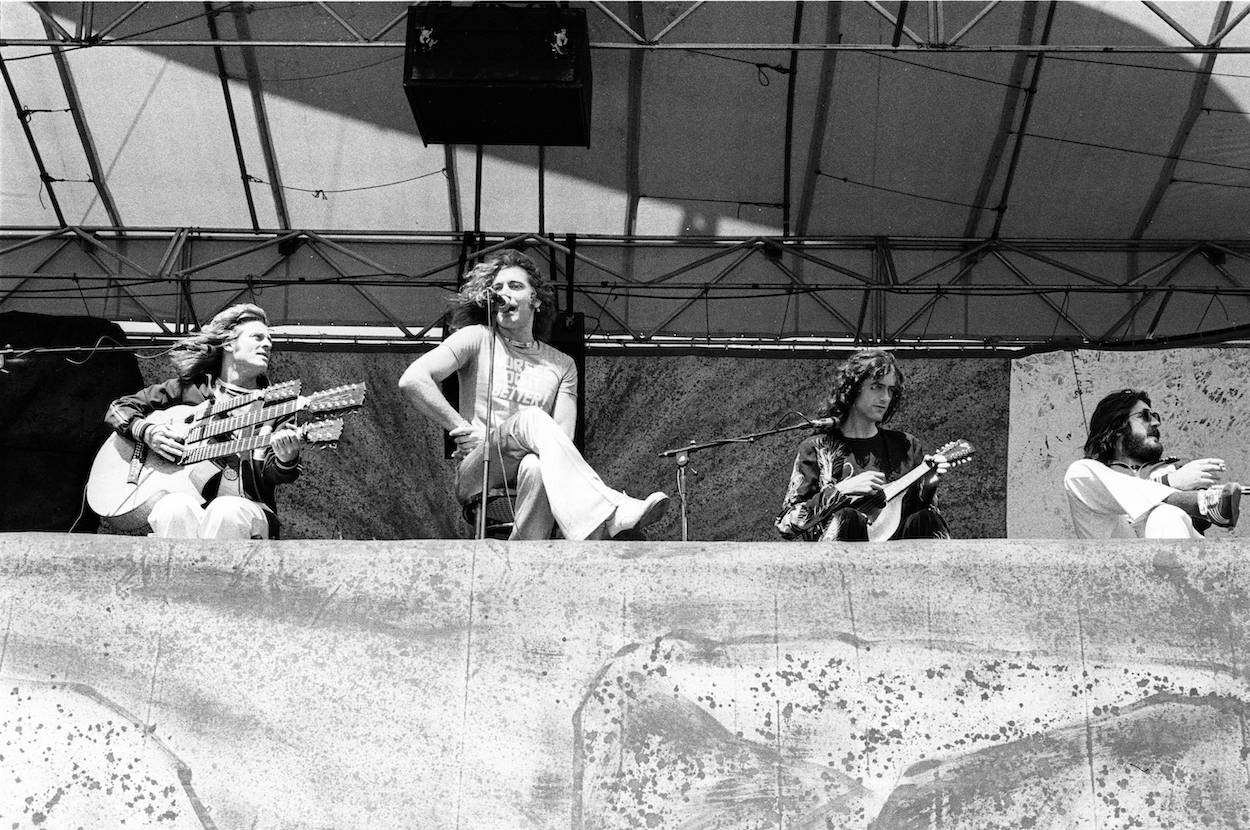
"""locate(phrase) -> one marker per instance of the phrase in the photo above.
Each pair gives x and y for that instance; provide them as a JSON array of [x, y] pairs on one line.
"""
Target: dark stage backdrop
[[389, 479]]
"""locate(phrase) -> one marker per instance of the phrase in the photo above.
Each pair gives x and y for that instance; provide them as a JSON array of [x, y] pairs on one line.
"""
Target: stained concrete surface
[[492, 685]]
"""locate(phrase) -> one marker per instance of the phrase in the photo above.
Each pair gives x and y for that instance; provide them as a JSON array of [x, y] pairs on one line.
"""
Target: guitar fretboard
[[200, 429], [222, 426], [207, 452]]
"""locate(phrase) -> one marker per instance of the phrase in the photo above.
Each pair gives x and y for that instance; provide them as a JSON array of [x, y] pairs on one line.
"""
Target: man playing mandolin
[[840, 474], [228, 357]]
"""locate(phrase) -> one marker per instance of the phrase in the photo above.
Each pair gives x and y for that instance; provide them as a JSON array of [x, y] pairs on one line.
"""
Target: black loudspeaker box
[[491, 74]]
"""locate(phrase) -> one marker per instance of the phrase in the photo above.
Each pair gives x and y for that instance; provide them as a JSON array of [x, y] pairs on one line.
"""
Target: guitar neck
[[212, 429], [288, 390], [207, 452], [900, 484]]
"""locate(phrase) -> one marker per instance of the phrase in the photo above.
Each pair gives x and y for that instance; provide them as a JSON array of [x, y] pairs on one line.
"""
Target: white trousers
[[180, 516], [1107, 504], [553, 482]]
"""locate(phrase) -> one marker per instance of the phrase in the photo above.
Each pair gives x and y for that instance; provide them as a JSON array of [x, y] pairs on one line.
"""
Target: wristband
[[139, 428]]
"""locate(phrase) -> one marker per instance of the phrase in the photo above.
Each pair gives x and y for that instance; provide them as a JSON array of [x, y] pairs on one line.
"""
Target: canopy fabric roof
[[776, 174]]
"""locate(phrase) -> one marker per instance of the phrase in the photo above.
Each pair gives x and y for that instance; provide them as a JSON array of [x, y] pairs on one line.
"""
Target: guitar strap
[[234, 467], [137, 456], [230, 477]]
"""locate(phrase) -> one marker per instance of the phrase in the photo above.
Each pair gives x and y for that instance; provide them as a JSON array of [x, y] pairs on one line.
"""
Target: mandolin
[[884, 510]]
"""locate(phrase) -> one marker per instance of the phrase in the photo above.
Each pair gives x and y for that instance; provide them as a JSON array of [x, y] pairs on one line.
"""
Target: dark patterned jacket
[[826, 458]]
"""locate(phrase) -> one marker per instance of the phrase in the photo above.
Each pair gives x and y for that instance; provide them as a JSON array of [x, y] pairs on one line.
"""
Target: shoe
[[1222, 504], [637, 513]]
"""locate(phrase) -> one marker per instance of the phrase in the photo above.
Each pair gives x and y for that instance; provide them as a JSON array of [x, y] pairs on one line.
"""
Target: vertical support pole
[[542, 190], [477, 192], [570, 263]]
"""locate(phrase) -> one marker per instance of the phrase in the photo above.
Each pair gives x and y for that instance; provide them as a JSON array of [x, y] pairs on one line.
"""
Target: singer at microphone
[[490, 296], [517, 413], [836, 489]]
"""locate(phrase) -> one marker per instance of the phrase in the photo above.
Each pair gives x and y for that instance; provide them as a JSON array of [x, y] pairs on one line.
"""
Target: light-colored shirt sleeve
[[1105, 503]]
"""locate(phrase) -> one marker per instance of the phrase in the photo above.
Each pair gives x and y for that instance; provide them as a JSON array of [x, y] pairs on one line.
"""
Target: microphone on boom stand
[[491, 297], [682, 456]]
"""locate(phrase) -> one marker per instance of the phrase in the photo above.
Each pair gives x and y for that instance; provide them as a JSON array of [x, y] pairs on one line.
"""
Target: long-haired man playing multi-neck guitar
[[228, 357], [835, 469]]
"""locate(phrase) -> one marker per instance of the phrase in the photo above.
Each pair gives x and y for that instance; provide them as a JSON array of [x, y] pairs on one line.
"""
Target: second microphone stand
[[683, 454]]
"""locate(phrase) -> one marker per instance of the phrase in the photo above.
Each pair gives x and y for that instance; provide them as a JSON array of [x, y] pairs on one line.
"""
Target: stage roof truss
[[874, 287], [1060, 313], [934, 40], [879, 314], [807, 290]]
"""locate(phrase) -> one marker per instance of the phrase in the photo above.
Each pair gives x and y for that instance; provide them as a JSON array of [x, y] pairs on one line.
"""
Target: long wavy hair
[[1110, 422], [201, 353], [467, 308], [859, 367]]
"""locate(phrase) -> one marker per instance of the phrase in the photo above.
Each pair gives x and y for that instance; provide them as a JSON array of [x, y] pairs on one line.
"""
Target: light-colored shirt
[[537, 376], [1110, 502]]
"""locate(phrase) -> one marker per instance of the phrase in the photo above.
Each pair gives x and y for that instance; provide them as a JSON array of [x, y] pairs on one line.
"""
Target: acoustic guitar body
[[127, 504]]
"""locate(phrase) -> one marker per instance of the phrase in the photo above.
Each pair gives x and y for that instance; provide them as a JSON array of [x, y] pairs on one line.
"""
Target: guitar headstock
[[338, 399], [281, 391], [323, 434], [956, 452]]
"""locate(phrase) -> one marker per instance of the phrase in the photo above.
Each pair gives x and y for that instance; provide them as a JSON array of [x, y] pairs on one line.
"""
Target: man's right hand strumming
[[863, 484], [162, 440]]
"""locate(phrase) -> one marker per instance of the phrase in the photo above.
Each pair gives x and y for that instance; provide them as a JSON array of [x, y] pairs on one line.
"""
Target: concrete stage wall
[[987, 683]]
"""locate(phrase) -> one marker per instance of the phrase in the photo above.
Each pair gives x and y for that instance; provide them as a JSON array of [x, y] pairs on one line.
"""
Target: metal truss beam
[[1197, 96], [898, 37], [92, 156], [260, 113], [23, 115], [761, 292], [937, 49]]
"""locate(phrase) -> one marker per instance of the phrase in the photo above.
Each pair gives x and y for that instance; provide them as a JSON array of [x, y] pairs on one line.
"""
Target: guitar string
[[321, 399]]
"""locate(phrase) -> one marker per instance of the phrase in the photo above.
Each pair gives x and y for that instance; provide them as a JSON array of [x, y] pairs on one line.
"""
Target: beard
[[1137, 449]]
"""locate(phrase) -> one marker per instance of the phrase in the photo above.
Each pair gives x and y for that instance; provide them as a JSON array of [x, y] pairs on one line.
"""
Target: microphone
[[821, 423], [489, 296]]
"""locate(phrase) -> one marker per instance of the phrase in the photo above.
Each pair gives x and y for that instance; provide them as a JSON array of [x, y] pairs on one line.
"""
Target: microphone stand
[[490, 406], [683, 461]]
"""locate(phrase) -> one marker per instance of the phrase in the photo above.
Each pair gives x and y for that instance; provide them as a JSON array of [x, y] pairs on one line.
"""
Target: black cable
[[938, 69], [901, 192], [278, 80], [1186, 70], [1130, 150], [321, 192]]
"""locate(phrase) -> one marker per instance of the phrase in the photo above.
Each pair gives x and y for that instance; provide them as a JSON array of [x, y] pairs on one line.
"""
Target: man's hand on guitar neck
[[286, 443], [939, 463]]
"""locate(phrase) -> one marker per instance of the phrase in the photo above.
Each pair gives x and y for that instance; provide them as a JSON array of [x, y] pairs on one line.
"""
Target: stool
[[499, 516]]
